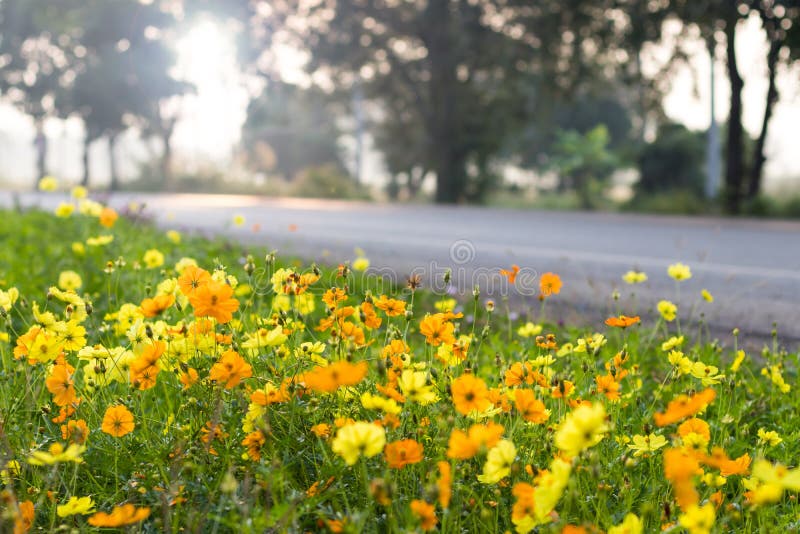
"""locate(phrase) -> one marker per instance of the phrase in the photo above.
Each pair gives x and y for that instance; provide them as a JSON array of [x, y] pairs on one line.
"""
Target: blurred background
[[683, 106]]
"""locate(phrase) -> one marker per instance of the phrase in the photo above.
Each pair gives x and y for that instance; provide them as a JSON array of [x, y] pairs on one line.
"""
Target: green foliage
[[196, 480], [674, 161], [326, 181], [584, 162]]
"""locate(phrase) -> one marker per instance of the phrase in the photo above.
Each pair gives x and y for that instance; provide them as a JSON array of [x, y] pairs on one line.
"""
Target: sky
[[208, 131]]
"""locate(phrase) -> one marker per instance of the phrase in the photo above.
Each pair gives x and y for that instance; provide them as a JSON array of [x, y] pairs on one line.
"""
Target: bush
[[673, 162], [326, 181]]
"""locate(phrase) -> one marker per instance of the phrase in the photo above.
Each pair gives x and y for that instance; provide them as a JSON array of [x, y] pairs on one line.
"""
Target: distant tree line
[[460, 87]]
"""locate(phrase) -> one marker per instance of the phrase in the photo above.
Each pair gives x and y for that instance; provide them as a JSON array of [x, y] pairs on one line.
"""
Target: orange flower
[[444, 484], [120, 516], [512, 274], [684, 406], [608, 387], [117, 421], [524, 505], [60, 384], [392, 307], [108, 217], [192, 278], [334, 296], [322, 430], [460, 447], [679, 468], [437, 329], [145, 368], [469, 394], [75, 431], [623, 321], [402, 453], [463, 445], [230, 370], [331, 377], [270, 395], [369, 317], [214, 299], [563, 390], [157, 305], [550, 284], [189, 377], [254, 441], [425, 513], [694, 426], [726, 466], [529, 407], [24, 518]]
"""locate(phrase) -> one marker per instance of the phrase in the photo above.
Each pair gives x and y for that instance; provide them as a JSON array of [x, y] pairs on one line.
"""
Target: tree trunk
[[86, 144], [734, 157], [166, 156], [112, 161], [448, 159], [40, 143], [759, 158]]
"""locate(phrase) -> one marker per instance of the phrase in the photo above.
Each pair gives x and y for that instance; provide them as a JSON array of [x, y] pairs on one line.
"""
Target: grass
[[264, 437]]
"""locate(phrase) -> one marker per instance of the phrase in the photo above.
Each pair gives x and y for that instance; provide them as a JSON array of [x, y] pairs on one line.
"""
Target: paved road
[[751, 267]]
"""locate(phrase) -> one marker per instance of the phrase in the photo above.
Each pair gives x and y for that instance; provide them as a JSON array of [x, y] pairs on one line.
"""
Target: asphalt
[[751, 267]]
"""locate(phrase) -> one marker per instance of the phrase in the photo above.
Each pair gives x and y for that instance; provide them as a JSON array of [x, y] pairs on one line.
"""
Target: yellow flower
[[775, 375], [682, 363], [679, 271], [634, 277], [529, 329], [153, 258], [415, 387], [769, 481], [582, 428], [737, 362], [357, 439], [361, 264], [64, 210], [79, 192], [69, 281], [57, 453], [99, 241], [78, 249], [48, 183], [645, 444], [672, 343], [769, 437], [445, 305], [376, 402], [698, 519], [498, 462], [76, 505], [668, 310], [630, 525], [708, 297], [12, 470], [305, 303], [8, 298], [238, 220], [174, 236], [708, 374]]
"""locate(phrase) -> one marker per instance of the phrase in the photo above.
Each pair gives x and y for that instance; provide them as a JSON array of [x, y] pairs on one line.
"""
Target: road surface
[[752, 268]]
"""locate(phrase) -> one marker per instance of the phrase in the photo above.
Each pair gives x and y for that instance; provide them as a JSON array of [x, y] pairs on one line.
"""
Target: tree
[[39, 53], [297, 128], [125, 79], [672, 162], [779, 20], [584, 162]]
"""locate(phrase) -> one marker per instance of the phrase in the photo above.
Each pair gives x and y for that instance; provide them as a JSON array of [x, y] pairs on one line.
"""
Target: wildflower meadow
[[158, 381]]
